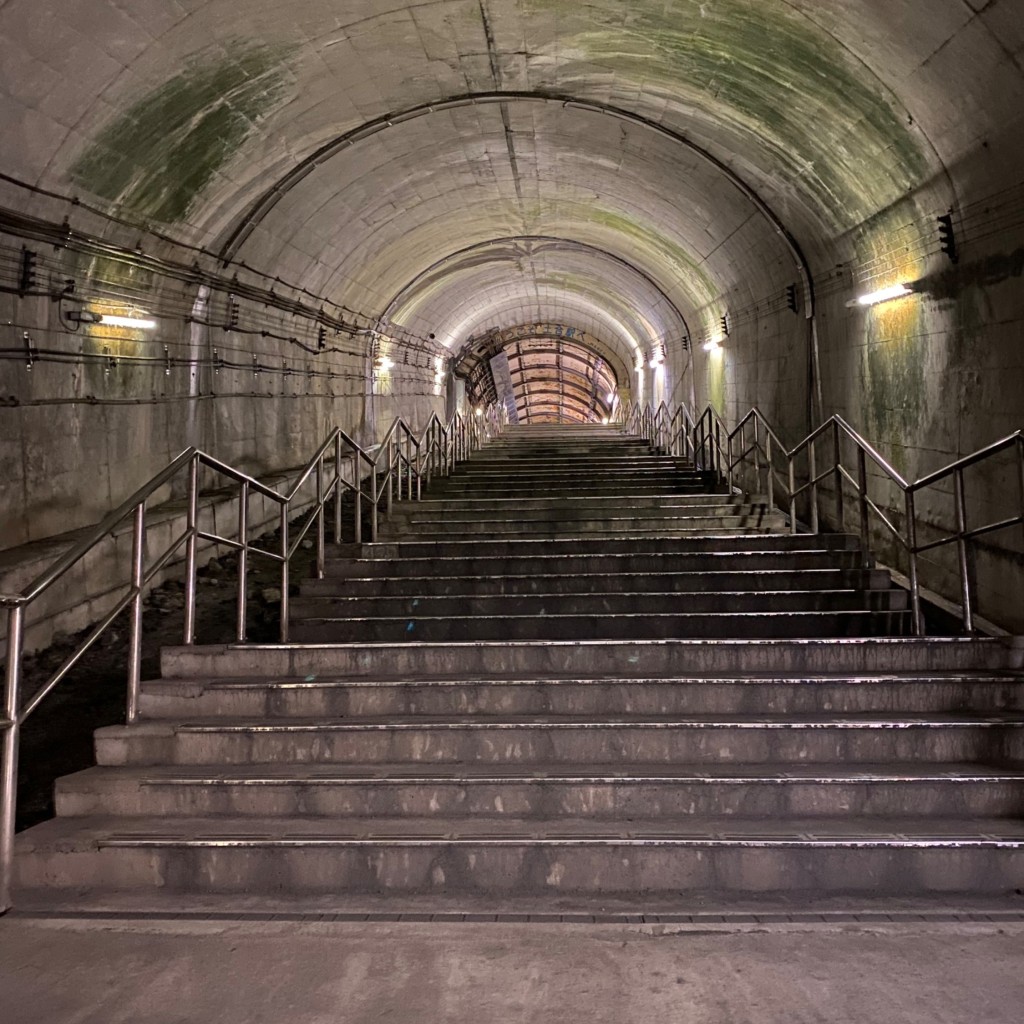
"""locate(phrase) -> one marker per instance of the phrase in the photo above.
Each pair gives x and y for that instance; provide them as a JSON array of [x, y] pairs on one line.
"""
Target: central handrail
[[754, 444], [400, 463]]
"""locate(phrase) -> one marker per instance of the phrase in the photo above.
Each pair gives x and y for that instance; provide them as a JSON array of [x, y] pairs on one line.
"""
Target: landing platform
[[232, 963]]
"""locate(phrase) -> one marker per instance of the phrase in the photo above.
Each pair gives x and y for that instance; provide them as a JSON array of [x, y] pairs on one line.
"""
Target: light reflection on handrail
[[401, 462], [727, 452]]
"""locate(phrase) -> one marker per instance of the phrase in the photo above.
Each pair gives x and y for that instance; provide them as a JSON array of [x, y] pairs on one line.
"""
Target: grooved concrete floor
[[170, 972]]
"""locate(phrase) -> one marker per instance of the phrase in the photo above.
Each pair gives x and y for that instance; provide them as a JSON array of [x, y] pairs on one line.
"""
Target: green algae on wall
[[757, 69], [159, 156]]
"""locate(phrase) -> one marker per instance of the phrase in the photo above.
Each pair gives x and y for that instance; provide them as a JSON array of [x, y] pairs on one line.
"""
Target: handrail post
[[284, 574], [792, 495], [243, 563], [391, 480], [838, 471], [757, 456], [375, 502], [190, 551], [812, 469], [961, 548], [338, 489], [135, 628], [917, 619], [729, 458], [862, 486], [357, 505], [321, 511], [9, 751]]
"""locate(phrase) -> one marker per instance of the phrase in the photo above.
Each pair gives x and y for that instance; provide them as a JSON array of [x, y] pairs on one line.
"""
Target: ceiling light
[[712, 344], [136, 322], [897, 291], [384, 364], [479, 410]]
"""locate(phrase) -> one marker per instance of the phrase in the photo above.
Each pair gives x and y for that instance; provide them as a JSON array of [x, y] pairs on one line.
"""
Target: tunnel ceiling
[[457, 166]]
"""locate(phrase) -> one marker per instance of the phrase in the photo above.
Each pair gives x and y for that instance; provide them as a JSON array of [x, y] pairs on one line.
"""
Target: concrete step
[[632, 659], [781, 580], [778, 544], [448, 558], [701, 504], [613, 626], [991, 738], [674, 792], [562, 488], [501, 856], [330, 697], [558, 603], [652, 525]]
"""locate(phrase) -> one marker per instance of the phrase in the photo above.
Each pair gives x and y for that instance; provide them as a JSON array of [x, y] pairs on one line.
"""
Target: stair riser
[[546, 800], [409, 608], [671, 697], [623, 660], [501, 870], [651, 525], [709, 626], [525, 745], [659, 583], [560, 490]]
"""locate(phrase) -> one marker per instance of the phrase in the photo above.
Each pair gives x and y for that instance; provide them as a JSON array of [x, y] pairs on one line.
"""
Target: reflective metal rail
[[398, 466], [836, 458]]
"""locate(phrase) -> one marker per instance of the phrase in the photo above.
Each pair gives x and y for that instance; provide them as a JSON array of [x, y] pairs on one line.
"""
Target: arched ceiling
[[677, 154]]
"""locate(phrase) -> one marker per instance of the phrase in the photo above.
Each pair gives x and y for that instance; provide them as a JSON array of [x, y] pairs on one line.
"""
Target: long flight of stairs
[[575, 670]]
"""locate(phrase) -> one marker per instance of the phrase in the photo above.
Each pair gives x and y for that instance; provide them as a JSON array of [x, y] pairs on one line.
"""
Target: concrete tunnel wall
[[330, 154]]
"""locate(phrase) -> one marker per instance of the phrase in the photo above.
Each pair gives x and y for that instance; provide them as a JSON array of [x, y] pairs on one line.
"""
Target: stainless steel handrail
[[727, 452], [399, 463]]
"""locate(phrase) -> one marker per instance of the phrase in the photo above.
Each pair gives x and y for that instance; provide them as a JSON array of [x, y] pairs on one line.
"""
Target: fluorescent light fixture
[[897, 291], [137, 322]]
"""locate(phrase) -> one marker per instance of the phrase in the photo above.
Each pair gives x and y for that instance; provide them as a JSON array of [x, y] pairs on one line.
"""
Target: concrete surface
[[170, 972]]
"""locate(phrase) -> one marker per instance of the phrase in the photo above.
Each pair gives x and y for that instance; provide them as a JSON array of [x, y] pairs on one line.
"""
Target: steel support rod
[[321, 525], [375, 495], [792, 496], [862, 500], [357, 506], [9, 751], [812, 468], [135, 628], [284, 574], [338, 489], [917, 619], [241, 617], [837, 452], [190, 551], [961, 550]]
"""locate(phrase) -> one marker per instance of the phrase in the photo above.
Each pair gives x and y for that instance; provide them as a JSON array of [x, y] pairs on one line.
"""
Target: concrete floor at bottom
[[109, 970]]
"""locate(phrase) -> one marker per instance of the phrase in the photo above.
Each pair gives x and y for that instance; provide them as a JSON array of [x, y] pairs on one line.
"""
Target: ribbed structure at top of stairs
[[575, 669]]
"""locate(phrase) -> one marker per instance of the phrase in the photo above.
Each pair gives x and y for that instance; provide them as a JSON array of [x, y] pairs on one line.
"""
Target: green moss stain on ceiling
[[159, 156], [755, 69]]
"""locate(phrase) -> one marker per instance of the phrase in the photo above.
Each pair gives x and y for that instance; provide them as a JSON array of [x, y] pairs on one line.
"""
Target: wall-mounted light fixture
[[712, 344], [384, 364], [87, 316], [897, 291]]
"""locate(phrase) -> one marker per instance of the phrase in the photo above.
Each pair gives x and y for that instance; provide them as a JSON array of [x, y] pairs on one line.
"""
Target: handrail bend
[[754, 449], [381, 474]]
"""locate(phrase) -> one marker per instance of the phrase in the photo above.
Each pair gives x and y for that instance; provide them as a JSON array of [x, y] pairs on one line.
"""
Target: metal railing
[[400, 465], [752, 454]]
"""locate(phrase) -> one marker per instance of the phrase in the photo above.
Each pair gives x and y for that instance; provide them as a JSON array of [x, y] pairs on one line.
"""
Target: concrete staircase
[[574, 670]]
